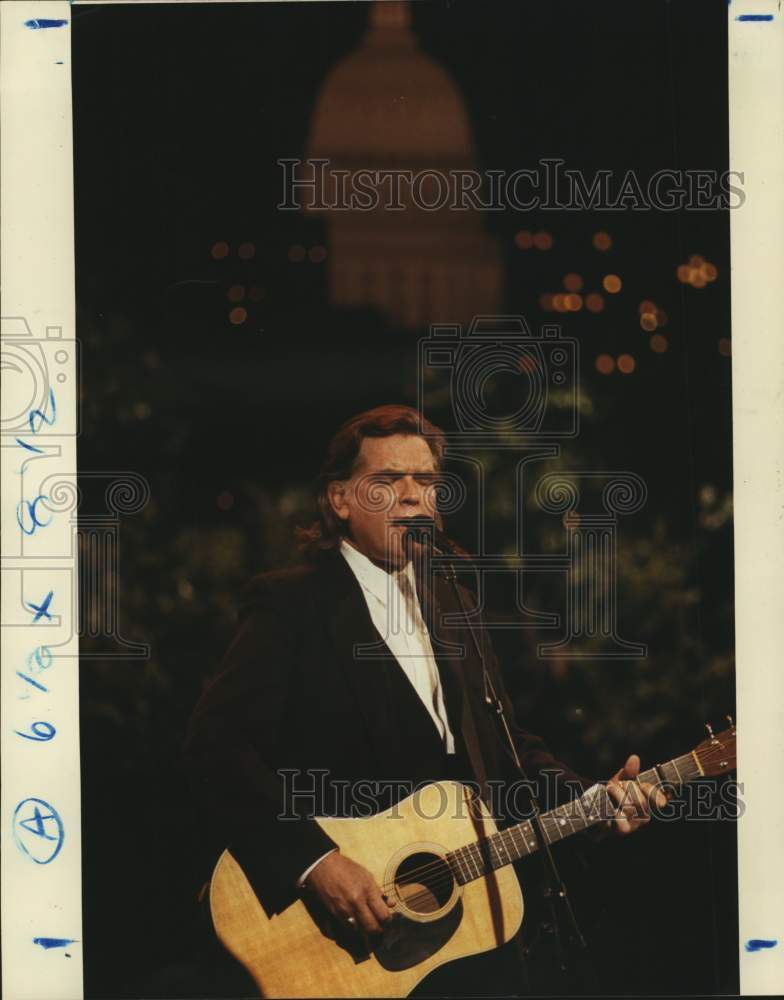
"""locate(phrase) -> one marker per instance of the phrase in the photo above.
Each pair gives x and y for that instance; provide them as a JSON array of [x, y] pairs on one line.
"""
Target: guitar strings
[[442, 872], [439, 873], [493, 840]]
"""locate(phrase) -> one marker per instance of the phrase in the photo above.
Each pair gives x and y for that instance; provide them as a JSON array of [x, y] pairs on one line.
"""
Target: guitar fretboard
[[594, 806]]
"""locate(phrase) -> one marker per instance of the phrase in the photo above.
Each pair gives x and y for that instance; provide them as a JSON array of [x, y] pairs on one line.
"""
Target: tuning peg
[[729, 719], [710, 731]]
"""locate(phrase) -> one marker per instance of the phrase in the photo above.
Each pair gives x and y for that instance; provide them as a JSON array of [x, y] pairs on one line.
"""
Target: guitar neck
[[594, 806]]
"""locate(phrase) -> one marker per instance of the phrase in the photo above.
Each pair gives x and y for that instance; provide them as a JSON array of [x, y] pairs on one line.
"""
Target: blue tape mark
[[45, 22], [754, 17], [47, 943], [756, 944]]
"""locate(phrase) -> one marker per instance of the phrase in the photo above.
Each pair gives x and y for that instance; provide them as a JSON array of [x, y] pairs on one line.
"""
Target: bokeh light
[[296, 253], [646, 306], [543, 241], [626, 364], [219, 250], [594, 302], [573, 282], [605, 364], [236, 293], [246, 251], [659, 343], [574, 302], [317, 254], [648, 321], [612, 283], [238, 315], [602, 241], [524, 240], [546, 302], [698, 272]]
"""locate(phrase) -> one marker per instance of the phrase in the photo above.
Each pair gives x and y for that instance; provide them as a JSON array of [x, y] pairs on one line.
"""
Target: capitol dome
[[390, 98], [414, 254]]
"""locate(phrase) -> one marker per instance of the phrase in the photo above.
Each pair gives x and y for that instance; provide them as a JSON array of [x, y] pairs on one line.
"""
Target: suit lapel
[[360, 652], [455, 656]]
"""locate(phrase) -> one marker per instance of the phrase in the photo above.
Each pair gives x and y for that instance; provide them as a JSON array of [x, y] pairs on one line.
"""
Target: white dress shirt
[[393, 604], [394, 609]]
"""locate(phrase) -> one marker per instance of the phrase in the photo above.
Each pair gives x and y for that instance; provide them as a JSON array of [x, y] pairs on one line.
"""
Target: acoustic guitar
[[441, 857]]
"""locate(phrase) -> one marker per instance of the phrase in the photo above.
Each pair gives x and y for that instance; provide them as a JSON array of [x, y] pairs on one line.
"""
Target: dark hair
[[342, 451]]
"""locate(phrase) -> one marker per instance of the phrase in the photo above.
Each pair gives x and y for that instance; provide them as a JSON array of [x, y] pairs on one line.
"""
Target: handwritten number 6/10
[[41, 732]]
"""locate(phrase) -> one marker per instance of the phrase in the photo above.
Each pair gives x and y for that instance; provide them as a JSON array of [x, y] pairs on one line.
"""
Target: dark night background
[[180, 113]]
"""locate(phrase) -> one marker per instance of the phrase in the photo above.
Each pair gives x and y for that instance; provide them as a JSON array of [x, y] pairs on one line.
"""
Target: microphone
[[424, 530]]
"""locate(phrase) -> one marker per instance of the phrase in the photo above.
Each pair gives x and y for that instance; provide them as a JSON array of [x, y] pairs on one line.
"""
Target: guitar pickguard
[[406, 942]]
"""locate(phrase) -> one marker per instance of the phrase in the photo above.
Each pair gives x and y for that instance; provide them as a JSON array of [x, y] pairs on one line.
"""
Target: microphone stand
[[436, 542]]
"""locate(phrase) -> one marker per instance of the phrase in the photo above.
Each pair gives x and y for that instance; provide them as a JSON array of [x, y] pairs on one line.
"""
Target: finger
[[388, 899], [632, 766], [367, 920], [379, 908], [636, 799], [655, 796], [616, 792], [628, 796]]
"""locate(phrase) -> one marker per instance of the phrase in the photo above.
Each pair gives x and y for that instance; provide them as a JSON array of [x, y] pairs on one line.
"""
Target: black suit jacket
[[310, 705]]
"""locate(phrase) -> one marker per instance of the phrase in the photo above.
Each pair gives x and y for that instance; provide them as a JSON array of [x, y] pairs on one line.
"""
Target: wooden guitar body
[[299, 952]]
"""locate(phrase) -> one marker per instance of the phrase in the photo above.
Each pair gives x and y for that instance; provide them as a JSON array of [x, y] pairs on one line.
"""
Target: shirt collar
[[372, 577]]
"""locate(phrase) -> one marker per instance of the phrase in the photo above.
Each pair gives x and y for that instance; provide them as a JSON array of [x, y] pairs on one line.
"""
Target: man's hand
[[350, 894], [633, 798]]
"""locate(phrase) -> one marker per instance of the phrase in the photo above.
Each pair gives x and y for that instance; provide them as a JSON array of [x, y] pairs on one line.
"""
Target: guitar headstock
[[716, 754]]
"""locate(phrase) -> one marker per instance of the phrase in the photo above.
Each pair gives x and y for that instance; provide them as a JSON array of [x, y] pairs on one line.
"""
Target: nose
[[410, 492]]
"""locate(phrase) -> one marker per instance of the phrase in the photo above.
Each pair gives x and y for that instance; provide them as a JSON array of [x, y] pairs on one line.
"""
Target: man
[[334, 682]]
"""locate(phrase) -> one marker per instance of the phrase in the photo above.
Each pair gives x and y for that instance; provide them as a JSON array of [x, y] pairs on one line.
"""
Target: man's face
[[393, 477]]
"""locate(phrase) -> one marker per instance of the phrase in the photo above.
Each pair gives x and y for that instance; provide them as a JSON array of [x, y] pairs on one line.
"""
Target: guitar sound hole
[[424, 882]]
